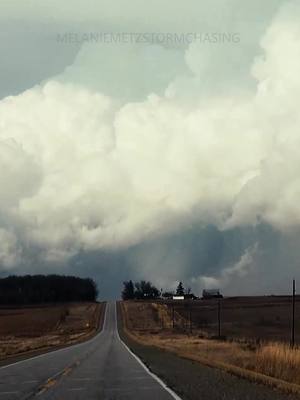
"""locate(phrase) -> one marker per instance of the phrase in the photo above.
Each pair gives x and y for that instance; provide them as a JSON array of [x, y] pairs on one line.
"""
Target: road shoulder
[[194, 381]]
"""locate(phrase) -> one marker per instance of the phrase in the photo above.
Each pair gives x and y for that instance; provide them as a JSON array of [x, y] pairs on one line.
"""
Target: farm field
[[266, 318], [27, 329], [250, 318]]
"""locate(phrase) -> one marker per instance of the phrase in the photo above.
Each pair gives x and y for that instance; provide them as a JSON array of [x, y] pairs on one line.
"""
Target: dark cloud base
[[191, 253]]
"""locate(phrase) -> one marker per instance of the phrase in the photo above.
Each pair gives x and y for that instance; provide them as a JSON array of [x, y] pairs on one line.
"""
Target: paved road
[[102, 368]]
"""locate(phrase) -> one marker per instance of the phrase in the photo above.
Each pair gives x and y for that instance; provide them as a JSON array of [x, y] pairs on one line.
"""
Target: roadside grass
[[274, 364], [279, 360], [276, 360]]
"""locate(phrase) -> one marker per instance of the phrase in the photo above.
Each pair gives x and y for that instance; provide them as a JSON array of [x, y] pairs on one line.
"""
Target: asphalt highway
[[102, 368]]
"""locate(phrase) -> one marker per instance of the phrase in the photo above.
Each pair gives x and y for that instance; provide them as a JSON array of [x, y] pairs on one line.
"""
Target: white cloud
[[239, 270]]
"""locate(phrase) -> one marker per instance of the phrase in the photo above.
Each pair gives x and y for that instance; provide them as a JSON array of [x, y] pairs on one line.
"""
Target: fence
[[266, 318]]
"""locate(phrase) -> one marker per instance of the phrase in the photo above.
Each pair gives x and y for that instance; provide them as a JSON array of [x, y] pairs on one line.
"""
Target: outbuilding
[[211, 294]]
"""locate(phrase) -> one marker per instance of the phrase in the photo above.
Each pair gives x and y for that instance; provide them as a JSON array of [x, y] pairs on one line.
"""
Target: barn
[[211, 294]]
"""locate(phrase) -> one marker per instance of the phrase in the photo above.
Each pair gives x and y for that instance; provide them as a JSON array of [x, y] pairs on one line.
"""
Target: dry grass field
[[40, 327], [266, 318], [151, 324], [250, 318]]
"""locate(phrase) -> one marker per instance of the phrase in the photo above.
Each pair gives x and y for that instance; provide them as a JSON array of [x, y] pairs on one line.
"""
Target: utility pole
[[293, 314], [191, 322], [219, 318]]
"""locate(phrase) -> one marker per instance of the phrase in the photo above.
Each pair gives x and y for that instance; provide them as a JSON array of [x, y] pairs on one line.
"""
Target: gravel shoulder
[[193, 381]]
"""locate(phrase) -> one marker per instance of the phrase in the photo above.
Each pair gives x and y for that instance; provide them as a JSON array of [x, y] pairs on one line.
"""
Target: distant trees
[[167, 295], [145, 290], [32, 289], [139, 290], [180, 290], [128, 290]]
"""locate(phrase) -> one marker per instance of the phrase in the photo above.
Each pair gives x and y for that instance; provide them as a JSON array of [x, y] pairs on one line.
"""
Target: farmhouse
[[178, 297]]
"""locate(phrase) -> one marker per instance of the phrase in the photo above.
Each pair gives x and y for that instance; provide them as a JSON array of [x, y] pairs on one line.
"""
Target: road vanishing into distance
[[102, 368]]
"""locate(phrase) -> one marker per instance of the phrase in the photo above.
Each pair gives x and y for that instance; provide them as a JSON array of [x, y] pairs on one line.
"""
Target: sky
[[151, 141]]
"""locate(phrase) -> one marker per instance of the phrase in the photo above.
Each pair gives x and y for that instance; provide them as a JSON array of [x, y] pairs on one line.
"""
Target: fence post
[[173, 316], [293, 314], [187, 318], [219, 318]]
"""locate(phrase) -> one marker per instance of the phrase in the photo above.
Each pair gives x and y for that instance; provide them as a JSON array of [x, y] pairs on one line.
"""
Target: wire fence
[[269, 318]]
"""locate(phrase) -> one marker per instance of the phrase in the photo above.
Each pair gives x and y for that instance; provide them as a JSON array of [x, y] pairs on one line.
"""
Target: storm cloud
[[173, 162]]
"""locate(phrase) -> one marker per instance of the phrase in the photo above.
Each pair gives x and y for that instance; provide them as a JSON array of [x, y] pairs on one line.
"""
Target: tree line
[[146, 290], [139, 290], [33, 289]]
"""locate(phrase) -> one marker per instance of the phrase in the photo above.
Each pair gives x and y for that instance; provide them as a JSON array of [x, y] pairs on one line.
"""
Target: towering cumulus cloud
[[134, 142]]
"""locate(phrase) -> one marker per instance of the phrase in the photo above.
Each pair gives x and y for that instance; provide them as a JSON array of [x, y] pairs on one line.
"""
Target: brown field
[[272, 363], [34, 328], [252, 318], [266, 318]]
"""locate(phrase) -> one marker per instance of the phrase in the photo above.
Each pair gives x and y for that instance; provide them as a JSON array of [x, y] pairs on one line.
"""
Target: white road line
[[155, 377], [73, 346]]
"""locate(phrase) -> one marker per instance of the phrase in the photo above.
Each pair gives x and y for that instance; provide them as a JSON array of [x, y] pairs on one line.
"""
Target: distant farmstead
[[178, 297], [211, 294]]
